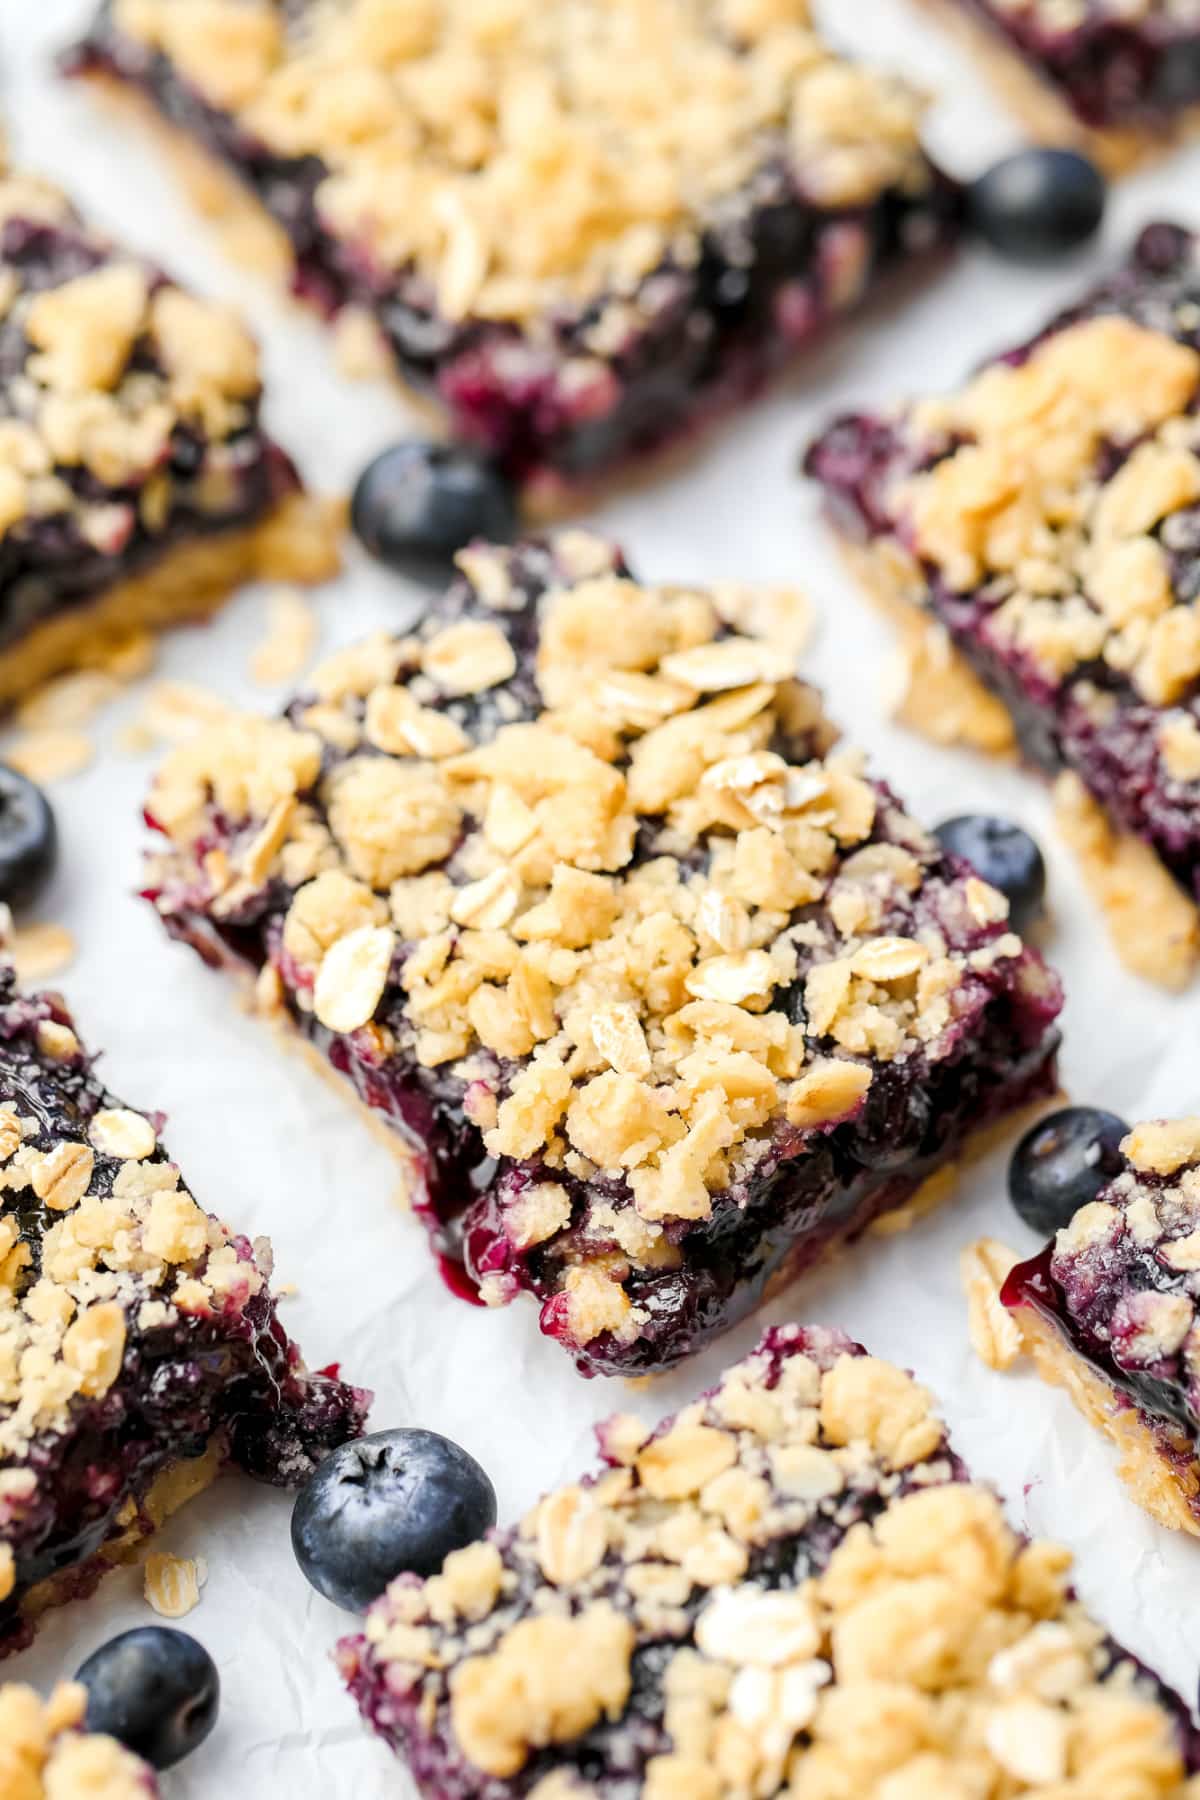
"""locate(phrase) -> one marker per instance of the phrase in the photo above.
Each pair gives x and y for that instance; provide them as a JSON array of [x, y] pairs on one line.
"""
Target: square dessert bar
[[664, 993], [791, 1588], [140, 1348], [1110, 1310], [137, 486], [1048, 515], [1119, 77], [47, 1753], [580, 229]]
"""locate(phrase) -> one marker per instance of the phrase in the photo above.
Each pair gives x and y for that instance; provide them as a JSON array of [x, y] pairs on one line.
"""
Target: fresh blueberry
[[417, 504], [1062, 1164], [1039, 203], [1005, 856], [28, 838], [396, 1501], [154, 1690]]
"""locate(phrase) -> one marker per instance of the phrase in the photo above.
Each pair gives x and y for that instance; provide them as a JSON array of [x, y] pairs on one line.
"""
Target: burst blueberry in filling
[[582, 229], [1109, 1309], [1123, 73], [791, 1588], [666, 995], [140, 1349], [137, 485], [1048, 516], [48, 1753]]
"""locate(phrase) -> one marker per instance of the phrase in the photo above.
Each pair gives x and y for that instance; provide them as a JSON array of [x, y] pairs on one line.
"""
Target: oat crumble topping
[[522, 157], [723, 1610], [46, 1752]]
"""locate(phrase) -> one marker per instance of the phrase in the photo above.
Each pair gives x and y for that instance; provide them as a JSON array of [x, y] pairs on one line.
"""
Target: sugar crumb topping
[[518, 157], [646, 915], [915, 1607], [47, 1754]]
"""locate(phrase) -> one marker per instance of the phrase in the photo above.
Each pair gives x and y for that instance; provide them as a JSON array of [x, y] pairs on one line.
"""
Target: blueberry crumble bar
[[1119, 77], [137, 486], [791, 1588], [47, 1753], [140, 1349], [1047, 515], [580, 229], [665, 994], [1110, 1307]]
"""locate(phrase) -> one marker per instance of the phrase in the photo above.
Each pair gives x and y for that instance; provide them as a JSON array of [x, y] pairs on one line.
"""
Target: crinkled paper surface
[[265, 1142]]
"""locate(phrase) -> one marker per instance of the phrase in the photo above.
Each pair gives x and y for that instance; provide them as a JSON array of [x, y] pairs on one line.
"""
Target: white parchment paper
[[270, 1146]]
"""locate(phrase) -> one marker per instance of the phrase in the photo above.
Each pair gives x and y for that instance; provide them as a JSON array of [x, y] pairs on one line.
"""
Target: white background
[[270, 1146]]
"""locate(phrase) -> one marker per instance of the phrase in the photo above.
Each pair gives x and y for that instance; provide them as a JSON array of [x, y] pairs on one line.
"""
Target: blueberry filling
[[1114, 72], [217, 1379], [706, 332]]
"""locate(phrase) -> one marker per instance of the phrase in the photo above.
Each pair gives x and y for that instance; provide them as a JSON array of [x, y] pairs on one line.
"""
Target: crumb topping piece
[[46, 1753], [649, 909], [793, 1556], [114, 363], [521, 157], [1068, 474]]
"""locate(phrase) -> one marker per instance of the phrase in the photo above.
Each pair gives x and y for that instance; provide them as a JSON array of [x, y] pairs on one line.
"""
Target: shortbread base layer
[[1045, 113], [170, 1491], [297, 541], [1153, 925], [1157, 1465]]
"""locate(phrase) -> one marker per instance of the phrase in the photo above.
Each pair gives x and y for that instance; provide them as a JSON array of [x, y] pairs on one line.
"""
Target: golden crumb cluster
[[590, 914], [87, 399], [1076, 556], [1152, 1209], [46, 1753], [935, 1652], [123, 1244], [519, 155]]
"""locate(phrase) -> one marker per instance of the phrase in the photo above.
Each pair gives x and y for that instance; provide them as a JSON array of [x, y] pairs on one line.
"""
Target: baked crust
[[719, 1609], [298, 541]]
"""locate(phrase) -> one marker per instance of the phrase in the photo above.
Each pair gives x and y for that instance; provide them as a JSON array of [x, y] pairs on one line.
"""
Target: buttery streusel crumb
[[46, 1752], [736, 1598], [581, 862]]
